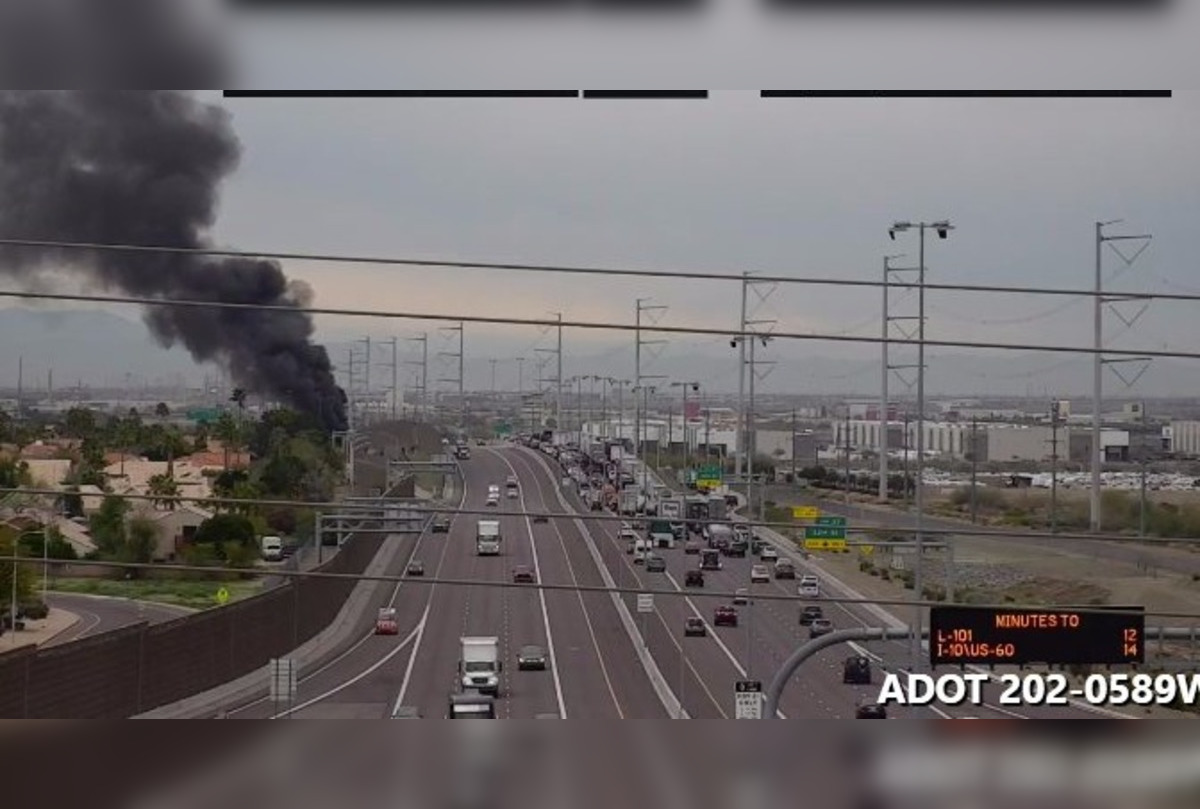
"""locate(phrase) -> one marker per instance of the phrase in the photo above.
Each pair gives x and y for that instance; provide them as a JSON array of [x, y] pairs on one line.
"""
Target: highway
[[703, 671], [594, 671]]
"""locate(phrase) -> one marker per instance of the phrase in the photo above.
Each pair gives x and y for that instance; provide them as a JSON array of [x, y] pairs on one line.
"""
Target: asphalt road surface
[[594, 671], [98, 614]]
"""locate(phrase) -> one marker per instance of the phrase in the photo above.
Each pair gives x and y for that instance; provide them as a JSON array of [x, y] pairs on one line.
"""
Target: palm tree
[[164, 486], [228, 432]]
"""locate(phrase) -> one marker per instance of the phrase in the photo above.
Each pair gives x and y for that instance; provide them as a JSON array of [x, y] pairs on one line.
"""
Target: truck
[[661, 534], [671, 509], [487, 538], [628, 501], [479, 665], [271, 548], [716, 507]]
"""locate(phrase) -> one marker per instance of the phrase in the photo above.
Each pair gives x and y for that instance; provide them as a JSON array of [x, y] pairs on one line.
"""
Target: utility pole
[[1142, 451], [942, 228], [349, 389], [887, 367], [462, 405], [638, 377], [1097, 451], [906, 446], [424, 363], [846, 467], [395, 375], [520, 394], [793, 446], [1054, 416], [741, 342], [974, 468], [493, 388], [558, 351]]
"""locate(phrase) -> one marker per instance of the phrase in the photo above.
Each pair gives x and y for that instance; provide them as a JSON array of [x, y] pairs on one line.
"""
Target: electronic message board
[[1055, 635]]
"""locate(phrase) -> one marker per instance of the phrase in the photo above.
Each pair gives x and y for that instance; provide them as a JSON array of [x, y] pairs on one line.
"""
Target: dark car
[[819, 627], [691, 547], [523, 575], [693, 578], [693, 626], [656, 564], [811, 613], [531, 658], [416, 568], [441, 524], [725, 616], [737, 547], [540, 518], [870, 712], [856, 670]]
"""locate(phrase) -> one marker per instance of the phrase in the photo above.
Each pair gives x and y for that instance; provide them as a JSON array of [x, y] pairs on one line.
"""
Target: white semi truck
[[487, 538], [479, 665]]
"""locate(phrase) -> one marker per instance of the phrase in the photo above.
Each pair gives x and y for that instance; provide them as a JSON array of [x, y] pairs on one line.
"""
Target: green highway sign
[[710, 472], [834, 521], [825, 532], [503, 429]]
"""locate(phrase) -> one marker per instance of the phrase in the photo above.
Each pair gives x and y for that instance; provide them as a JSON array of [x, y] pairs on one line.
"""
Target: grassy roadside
[[193, 594]]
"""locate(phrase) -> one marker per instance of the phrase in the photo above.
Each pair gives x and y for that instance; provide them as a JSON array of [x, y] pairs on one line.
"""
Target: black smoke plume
[[143, 167]]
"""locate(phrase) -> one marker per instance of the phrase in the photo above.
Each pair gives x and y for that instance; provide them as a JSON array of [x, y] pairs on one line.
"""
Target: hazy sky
[[786, 187]]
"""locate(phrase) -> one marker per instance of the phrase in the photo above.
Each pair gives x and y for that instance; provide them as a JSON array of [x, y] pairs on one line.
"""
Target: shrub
[[34, 610]]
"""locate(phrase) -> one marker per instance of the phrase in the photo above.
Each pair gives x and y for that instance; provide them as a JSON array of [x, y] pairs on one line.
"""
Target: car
[[756, 546], [493, 488], [693, 578], [856, 670], [725, 616], [523, 575], [540, 518], [479, 442], [741, 597], [531, 658], [691, 547], [737, 547], [656, 564], [512, 494], [809, 587], [784, 569], [493, 500], [693, 626], [768, 554], [415, 568], [441, 524], [811, 613], [870, 711], [819, 627], [742, 531], [759, 574], [386, 623]]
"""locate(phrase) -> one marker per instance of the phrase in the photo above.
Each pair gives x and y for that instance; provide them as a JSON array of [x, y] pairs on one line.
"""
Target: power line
[[576, 588], [569, 270], [580, 324]]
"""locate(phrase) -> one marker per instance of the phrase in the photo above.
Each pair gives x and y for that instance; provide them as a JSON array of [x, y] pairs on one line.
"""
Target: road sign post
[[645, 606], [806, 513], [748, 699], [222, 596], [283, 681]]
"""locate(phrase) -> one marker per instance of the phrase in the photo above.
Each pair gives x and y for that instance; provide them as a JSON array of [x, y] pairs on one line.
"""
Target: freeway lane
[[99, 614], [713, 664], [596, 655]]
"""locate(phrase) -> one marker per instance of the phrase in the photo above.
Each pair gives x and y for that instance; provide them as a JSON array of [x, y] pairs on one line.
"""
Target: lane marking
[[537, 571], [539, 480], [670, 702]]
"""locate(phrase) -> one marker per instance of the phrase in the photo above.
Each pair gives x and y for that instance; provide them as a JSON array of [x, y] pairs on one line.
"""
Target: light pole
[[520, 394], [687, 445], [942, 228]]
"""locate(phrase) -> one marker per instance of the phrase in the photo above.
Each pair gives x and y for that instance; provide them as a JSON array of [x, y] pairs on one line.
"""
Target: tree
[[161, 410], [108, 525], [162, 488], [222, 529], [14, 473], [141, 541], [26, 574], [228, 431], [80, 422]]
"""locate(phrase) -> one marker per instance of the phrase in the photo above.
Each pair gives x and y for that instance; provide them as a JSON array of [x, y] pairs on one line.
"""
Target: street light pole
[[942, 228]]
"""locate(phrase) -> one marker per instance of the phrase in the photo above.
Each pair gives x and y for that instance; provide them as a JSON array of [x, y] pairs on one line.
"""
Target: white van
[[271, 548]]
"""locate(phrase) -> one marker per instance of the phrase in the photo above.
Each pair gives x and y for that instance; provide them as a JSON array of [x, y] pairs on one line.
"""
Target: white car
[[493, 499], [760, 575], [512, 494], [810, 586]]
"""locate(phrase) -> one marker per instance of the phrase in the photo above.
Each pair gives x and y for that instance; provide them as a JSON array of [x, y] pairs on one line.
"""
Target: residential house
[[176, 527], [48, 473], [133, 477]]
